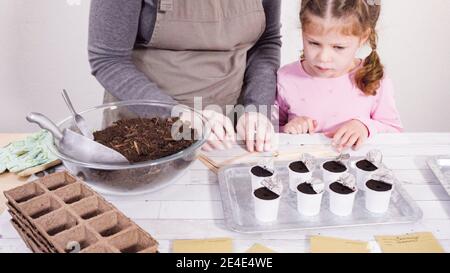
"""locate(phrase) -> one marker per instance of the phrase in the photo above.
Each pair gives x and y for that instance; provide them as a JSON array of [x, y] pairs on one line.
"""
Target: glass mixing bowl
[[133, 178]]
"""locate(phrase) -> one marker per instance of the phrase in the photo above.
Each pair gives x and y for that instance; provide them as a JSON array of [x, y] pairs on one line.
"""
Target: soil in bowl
[[143, 139]]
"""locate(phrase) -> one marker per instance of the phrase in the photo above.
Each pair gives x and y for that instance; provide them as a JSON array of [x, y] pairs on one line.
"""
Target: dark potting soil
[[143, 139], [339, 188], [260, 171], [298, 167], [306, 188], [265, 194], [377, 185], [334, 166], [366, 165]]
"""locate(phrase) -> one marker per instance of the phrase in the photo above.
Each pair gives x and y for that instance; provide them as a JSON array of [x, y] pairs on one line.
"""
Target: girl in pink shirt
[[331, 91]]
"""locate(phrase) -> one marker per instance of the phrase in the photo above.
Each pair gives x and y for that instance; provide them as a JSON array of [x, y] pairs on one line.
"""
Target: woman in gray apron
[[225, 52]]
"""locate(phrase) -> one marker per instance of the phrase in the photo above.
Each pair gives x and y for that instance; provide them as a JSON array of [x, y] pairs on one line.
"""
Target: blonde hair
[[364, 17]]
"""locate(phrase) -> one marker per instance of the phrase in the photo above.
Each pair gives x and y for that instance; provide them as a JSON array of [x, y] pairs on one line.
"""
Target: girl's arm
[[113, 27], [384, 114], [263, 60]]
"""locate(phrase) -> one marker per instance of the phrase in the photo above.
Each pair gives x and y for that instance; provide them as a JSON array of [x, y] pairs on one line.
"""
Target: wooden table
[[192, 209]]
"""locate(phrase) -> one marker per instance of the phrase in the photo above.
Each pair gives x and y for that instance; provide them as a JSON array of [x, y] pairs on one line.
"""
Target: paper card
[[422, 242], [216, 245], [322, 244], [258, 248]]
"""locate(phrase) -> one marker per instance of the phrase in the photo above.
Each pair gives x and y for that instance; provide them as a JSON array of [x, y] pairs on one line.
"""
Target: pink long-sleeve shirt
[[334, 101]]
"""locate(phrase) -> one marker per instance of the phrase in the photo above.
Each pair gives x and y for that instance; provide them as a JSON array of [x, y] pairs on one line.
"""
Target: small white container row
[[331, 171], [310, 204], [341, 198]]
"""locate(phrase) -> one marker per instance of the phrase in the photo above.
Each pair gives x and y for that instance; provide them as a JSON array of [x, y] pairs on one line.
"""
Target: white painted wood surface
[[192, 209]]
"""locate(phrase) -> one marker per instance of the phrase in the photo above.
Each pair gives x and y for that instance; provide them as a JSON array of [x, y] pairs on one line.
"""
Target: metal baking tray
[[440, 165], [237, 202]]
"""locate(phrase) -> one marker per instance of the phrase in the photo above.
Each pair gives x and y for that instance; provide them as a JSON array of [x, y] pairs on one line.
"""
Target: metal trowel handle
[[45, 123]]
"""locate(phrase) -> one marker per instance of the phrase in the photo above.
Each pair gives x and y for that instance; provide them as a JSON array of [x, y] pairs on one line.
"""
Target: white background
[[43, 48]]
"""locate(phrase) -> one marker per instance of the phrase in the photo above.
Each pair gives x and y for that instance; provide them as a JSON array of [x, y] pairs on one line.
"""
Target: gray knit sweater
[[116, 27]]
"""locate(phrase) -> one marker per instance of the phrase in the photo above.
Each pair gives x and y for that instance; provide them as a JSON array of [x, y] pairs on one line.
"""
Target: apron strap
[[166, 5]]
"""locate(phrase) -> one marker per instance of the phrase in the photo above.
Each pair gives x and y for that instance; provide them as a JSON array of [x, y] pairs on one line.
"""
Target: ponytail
[[368, 77]]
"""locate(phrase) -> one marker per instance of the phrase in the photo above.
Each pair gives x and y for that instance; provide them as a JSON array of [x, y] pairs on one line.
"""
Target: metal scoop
[[79, 120], [77, 146]]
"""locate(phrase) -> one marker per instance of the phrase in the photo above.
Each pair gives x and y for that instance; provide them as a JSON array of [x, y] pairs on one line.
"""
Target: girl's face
[[329, 53]]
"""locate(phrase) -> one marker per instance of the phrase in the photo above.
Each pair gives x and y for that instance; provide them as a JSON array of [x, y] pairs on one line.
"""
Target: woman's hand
[[222, 134], [300, 125], [352, 134], [256, 130]]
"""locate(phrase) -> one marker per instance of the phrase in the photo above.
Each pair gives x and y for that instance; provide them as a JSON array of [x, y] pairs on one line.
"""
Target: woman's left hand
[[256, 130], [352, 134]]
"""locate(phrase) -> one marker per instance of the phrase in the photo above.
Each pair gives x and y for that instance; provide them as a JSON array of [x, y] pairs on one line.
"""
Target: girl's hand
[[257, 131], [300, 125], [351, 134]]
